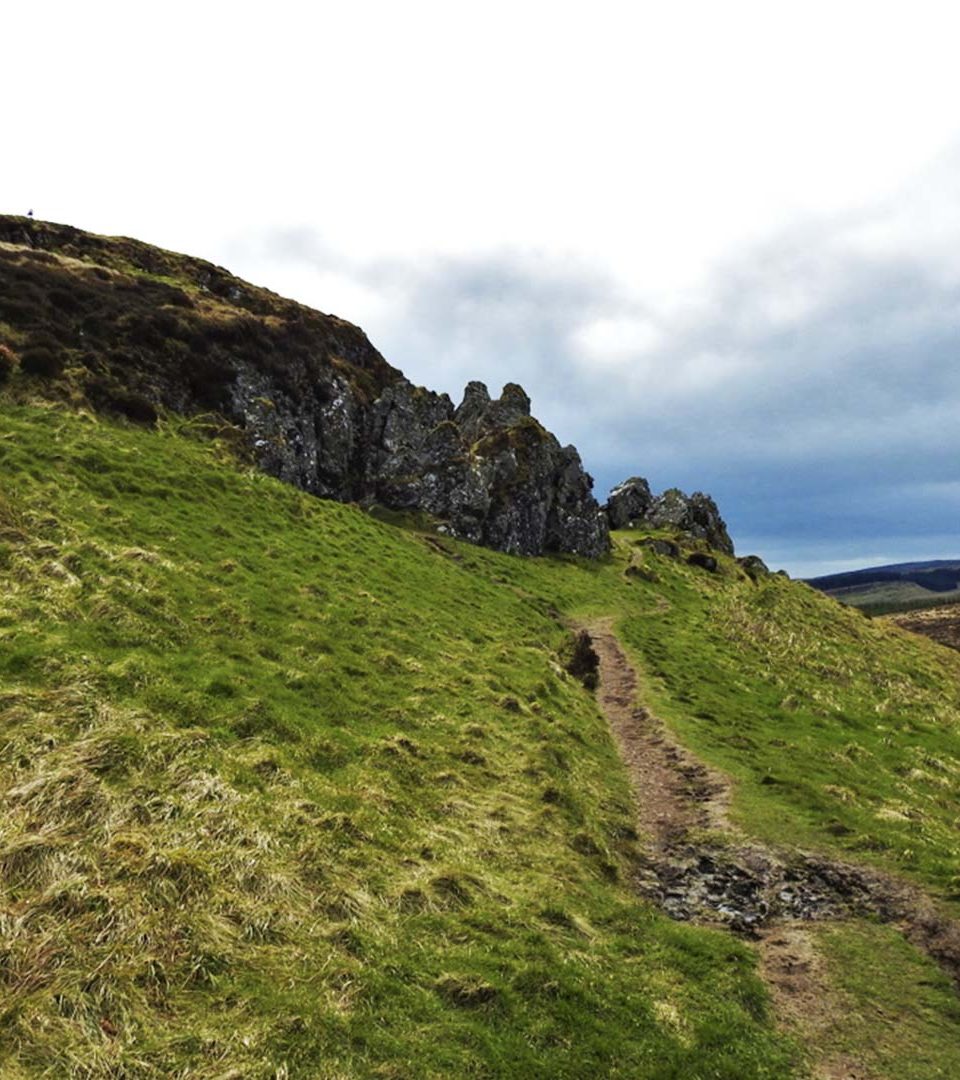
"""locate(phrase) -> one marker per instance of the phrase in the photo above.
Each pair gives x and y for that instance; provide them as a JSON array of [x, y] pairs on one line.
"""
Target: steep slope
[[129, 328], [291, 791]]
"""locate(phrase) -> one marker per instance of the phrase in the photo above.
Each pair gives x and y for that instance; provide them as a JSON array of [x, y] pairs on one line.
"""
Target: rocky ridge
[[130, 328]]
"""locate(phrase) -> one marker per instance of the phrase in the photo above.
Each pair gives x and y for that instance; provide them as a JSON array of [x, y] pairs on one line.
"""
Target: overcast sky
[[717, 243]]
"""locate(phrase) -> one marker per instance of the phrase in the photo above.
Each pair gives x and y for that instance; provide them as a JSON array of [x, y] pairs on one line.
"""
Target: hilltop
[[135, 330], [295, 787]]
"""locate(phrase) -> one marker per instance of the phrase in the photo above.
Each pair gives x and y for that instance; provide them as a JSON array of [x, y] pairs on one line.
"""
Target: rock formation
[[490, 471], [631, 505], [133, 329], [628, 503]]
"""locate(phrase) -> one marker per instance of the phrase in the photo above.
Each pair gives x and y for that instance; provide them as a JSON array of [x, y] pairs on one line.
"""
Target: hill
[[131, 329], [898, 587], [298, 788]]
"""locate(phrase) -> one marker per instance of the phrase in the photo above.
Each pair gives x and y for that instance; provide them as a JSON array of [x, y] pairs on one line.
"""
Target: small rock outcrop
[[629, 502], [632, 505], [753, 566]]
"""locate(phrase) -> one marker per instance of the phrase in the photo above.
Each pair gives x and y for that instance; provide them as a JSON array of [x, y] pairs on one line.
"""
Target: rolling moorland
[[900, 587], [921, 597], [296, 787]]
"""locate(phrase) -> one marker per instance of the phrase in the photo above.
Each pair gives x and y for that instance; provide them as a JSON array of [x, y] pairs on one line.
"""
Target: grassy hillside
[[128, 328], [840, 731], [293, 791]]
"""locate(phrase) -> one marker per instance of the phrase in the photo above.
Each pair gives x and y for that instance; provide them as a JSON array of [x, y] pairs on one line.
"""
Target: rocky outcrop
[[631, 505], [487, 469], [753, 566], [136, 330]]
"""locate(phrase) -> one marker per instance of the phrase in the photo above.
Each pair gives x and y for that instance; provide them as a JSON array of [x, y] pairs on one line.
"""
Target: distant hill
[[896, 587]]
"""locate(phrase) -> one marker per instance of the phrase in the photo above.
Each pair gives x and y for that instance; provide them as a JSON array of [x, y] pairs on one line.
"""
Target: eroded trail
[[698, 867]]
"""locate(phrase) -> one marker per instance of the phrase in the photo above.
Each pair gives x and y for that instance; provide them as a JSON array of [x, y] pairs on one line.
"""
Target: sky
[[717, 243]]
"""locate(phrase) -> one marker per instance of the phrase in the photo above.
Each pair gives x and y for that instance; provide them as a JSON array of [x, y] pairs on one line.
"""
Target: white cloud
[[615, 341]]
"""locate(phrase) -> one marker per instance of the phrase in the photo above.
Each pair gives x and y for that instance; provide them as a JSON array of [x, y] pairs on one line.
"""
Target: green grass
[[840, 732], [286, 788], [290, 790], [898, 1025]]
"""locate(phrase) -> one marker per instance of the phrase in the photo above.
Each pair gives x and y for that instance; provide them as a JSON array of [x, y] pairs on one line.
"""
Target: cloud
[[812, 385]]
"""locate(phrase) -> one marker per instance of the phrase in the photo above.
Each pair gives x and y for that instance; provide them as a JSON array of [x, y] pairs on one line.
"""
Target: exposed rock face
[[141, 330], [632, 505], [487, 468]]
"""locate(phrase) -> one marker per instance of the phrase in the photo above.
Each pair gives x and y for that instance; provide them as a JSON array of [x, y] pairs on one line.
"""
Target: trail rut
[[697, 867]]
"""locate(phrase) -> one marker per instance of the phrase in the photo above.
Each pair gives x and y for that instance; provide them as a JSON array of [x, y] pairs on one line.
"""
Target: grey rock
[[631, 505], [694, 515], [487, 469], [661, 547], [472, 410], [753, 566]]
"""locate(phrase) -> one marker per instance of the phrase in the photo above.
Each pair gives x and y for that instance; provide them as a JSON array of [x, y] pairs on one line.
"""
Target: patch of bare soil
[[942, 624], [698, 868]]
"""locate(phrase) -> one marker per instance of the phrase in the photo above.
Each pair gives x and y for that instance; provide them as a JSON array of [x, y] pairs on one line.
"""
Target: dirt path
[[698, 867], [674, 792]]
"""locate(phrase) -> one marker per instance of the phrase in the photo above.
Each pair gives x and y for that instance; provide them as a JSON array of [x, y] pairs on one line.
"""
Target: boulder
[[693, 515], [661, 547], [753, 566], [628, 503]]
